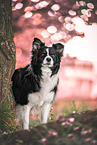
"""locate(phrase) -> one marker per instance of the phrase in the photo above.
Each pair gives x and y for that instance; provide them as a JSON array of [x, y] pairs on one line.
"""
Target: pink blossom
[[71, 119], [90, 130], [50, 118], [94, 141], [43, 139], [5, 133], [74, 112], [35, 125], [83, 132], [76, 128], [70, 134], [87, 139], [63, 123], [54, 133], [66, 123]]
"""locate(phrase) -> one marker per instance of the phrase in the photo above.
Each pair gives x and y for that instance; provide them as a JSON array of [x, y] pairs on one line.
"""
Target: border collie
[[36, 84]]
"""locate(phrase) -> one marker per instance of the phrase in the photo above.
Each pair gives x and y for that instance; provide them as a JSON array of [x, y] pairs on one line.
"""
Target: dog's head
[[46, 56]]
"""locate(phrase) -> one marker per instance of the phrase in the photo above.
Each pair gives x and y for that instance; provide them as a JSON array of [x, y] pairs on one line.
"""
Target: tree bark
[[7, 53]]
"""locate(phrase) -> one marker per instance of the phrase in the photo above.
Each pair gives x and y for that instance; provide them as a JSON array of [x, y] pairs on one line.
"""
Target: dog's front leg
[[22, 112], [26, 117], [45, 113]]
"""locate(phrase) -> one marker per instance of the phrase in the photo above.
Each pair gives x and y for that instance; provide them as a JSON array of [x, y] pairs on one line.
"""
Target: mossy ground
[[75, 129]]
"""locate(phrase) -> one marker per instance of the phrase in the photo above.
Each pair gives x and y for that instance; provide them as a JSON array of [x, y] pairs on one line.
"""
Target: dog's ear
[[37, 43], [59, 48]]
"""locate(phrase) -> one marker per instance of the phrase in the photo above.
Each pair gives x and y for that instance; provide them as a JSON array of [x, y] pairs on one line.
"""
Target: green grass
[[7, 117], [82, 130], [65, 108], [76, 129], [73, 106], [59, 108]]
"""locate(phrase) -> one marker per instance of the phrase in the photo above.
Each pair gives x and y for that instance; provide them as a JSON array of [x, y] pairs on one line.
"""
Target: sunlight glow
[[82, 3], [68, 19], [72, 13], [52, 29], [28, 14], [57, 36], [86, 12], [50, 13], [61, 19], [70, 27], [35, 1], [55, 7], [84, 17], [90, 5], [79, 24], [41, 4], [83, 48], [45, 34], [18, 6], [29, 8]]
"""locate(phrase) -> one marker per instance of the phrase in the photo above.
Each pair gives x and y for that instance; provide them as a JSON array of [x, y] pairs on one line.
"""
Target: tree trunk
[[7, 57]]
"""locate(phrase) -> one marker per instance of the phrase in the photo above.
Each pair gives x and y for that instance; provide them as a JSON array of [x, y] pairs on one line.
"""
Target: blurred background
[[74, 24]]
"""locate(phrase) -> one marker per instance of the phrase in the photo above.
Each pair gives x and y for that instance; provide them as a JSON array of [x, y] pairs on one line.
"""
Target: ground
[[75, 129]]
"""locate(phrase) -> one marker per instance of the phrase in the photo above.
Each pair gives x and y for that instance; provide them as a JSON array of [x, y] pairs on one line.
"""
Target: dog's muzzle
[[48, 61]]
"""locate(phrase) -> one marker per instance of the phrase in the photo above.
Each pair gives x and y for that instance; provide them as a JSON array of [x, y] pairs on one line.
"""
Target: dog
[[36, 84]]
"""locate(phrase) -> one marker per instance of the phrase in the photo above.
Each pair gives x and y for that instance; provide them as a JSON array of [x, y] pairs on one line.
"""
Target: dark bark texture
[[7, 64], [7, 49]]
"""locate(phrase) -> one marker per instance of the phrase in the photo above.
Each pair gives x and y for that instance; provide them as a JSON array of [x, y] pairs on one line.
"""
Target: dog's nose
[[48, 59]]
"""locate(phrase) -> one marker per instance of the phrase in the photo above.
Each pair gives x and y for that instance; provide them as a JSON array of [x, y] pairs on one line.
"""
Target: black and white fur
[[36, 84]]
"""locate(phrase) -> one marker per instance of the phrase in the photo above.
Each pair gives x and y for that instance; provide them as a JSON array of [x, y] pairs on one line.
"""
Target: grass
[[75, 129], [59, 108], [7, 117], [75, 126], [64, 108]]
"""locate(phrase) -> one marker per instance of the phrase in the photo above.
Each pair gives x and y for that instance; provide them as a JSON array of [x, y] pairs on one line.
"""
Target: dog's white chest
[[46, 80], [47, 85]]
